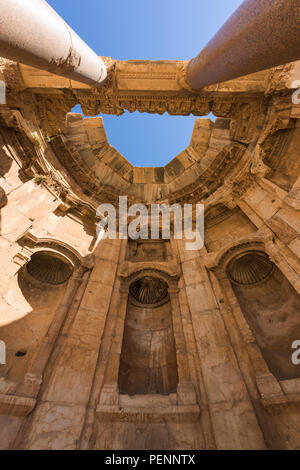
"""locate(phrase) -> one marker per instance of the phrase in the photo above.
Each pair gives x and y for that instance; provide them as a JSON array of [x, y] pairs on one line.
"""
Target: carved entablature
[[169, 271], [52, 109], [145, 86], [12, 75], [147, 102], [247, 120], [239, 188], [15, 133], [72, 157]]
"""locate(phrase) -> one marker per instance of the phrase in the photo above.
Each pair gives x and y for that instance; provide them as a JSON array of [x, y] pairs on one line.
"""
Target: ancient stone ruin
[[142, 344]]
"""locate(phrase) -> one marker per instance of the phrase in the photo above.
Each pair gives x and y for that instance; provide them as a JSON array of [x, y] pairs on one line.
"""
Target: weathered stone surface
[[200, 358]]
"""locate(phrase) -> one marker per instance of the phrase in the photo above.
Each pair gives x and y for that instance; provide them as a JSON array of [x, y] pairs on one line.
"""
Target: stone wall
[[207, 333]]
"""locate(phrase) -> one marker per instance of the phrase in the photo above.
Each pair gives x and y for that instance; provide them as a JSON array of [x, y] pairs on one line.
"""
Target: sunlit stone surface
[[123, 344]]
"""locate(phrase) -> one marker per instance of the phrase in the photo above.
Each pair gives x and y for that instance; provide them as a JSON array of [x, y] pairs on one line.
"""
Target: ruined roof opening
[[148, 140]]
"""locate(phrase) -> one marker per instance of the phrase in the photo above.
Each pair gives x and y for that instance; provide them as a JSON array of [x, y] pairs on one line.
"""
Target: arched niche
[[271, 307], [49, 268], [33, 295], [148, 363]]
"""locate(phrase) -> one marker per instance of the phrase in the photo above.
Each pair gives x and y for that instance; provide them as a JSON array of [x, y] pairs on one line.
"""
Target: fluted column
[[110, 394]]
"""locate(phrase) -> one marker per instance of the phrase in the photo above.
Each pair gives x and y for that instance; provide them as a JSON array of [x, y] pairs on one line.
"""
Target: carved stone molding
[[33, 244], [255, 241], [15, 405], [169, 271], [178, 414]]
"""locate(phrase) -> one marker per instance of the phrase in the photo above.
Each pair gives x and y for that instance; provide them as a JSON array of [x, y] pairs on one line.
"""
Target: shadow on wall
[[271, 307], [148, 361], [279, 150], [30, 309], [5, 163], [5, 166]]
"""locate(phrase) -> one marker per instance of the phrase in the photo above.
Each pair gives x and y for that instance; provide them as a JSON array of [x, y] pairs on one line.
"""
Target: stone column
[[110, 393], [194, 361], [185, 391], [232, 52], [117, 304]]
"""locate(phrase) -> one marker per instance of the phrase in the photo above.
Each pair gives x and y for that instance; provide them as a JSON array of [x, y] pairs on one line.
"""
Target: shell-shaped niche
[[49, 268], [149, 290], [250, 268]]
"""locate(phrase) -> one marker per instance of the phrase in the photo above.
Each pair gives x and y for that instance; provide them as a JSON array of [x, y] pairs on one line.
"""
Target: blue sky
[[155, 30]]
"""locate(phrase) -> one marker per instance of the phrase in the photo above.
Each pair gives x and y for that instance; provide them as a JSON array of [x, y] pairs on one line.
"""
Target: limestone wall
[[74, 308]]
